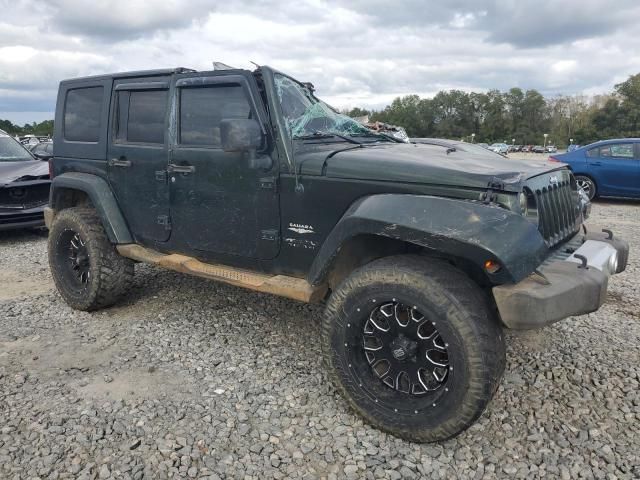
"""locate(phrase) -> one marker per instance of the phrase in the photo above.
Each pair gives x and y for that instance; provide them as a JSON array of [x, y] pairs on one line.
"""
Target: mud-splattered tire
[[86, 268], [439, 298]]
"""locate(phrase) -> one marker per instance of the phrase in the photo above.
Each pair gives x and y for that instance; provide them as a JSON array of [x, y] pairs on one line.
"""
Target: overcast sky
[[363, 54]]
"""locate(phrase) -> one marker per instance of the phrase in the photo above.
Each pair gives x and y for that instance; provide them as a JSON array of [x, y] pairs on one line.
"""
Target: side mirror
[[240, 135], [244, 135]]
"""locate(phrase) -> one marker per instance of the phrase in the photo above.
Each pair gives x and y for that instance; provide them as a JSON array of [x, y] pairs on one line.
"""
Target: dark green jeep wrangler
[[422, 253]]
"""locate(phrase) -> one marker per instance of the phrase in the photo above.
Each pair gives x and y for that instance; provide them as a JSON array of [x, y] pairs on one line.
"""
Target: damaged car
[[24, 186], [422, 254]]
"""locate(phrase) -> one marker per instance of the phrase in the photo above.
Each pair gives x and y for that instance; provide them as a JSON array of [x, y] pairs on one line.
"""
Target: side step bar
[[282, 285]]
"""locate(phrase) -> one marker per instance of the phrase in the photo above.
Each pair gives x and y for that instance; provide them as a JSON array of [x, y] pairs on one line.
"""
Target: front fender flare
[[102, 198], [470, 230]]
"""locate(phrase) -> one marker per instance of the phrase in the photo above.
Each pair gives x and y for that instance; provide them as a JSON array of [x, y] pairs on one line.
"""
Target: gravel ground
[[190, 378]]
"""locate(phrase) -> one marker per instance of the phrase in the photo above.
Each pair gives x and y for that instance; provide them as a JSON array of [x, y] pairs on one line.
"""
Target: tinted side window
[[82, 113], [147, 111], [202, 109], [618, 150], [593, 153]]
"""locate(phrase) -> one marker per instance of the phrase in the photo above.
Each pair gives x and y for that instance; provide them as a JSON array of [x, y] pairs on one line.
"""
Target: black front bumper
[[562, 288], [21, 218]]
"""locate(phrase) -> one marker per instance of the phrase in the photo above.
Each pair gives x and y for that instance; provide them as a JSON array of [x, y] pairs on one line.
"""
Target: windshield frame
[[338, 136]]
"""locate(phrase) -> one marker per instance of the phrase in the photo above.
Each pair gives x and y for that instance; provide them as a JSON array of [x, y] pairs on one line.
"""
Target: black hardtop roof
[[136, 73], [148, 73]]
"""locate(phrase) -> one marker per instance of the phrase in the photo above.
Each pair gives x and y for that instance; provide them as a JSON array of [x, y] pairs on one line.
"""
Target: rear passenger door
[[615, 168], [137, 156]]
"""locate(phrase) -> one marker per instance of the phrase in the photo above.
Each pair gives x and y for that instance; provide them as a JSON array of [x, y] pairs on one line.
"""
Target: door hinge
[[269, 183], [269, 235], [164, 220], [162, 175]]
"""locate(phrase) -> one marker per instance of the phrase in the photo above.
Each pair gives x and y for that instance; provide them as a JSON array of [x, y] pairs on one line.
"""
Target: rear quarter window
[[82, 114]]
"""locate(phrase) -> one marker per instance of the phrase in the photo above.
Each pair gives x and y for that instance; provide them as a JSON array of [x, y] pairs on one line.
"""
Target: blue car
[[609, 168]]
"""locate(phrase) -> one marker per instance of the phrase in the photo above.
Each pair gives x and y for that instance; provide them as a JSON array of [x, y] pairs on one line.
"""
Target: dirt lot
[[189, 378]]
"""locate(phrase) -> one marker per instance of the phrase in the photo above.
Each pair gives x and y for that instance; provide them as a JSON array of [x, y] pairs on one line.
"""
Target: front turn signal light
[[491, 266]]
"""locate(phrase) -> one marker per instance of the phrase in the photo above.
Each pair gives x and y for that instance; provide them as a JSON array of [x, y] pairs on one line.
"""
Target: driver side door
[[220, 206]]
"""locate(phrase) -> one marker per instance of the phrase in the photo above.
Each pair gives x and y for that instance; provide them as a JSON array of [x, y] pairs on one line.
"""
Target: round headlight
[[524, 204], [528, 206]]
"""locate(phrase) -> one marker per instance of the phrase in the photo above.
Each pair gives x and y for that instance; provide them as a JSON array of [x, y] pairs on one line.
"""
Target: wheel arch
[[465, 233], [78, 189]]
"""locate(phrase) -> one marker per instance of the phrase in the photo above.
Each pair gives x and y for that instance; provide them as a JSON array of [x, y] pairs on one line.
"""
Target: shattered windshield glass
[[307, 115]]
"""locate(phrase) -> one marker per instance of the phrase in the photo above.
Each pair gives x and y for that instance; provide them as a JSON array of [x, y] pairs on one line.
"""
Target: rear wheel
[[588, 185], [86, 268], [412, 345]]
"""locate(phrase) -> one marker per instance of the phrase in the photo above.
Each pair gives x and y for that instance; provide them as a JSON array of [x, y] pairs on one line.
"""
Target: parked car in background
[[551, 149], [501, 148], [526, 148], [43, 150], [538, 149], [609, 168], [483, 145], [474, 148], [24, 186], [573, 147]]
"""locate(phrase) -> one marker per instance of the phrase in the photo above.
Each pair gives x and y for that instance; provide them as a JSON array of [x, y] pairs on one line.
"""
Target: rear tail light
[[553, 159], [51, 168]]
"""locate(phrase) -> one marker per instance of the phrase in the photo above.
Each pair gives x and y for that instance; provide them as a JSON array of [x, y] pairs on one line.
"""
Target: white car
[[501, 148]]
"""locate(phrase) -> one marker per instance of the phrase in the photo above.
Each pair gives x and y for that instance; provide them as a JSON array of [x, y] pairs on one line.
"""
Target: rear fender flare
[[473, 231], [102, 198]]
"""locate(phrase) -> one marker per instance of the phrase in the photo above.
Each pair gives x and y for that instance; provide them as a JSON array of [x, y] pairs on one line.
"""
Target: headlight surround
[[524, 204], [528, 206]]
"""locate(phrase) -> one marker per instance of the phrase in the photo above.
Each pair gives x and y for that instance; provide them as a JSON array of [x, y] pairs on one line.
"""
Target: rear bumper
[[563, 288], [12, 219]]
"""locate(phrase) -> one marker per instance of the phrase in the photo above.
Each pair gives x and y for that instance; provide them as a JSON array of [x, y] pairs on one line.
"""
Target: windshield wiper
[[328, 135]]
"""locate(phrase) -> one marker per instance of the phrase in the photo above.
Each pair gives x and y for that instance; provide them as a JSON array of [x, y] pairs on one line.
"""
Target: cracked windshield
[[307, 116]]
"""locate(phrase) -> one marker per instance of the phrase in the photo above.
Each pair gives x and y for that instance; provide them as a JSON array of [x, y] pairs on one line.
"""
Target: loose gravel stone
[[211, 381]]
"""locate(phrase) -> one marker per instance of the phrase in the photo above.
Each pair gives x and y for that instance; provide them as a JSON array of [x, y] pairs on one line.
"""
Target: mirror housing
[[244, 135]]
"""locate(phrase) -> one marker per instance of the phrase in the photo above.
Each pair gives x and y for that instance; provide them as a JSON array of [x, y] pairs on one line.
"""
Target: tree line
[[516, 115], [40, 129]]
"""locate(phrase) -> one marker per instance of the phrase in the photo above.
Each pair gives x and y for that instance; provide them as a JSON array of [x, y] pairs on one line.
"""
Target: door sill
[[282, 285]]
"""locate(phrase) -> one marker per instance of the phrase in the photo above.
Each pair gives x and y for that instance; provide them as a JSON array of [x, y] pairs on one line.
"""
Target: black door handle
[[181, 168], [119, 162]]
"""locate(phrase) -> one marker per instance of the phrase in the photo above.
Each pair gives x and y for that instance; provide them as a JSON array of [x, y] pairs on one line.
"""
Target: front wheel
[[86, 268], [588, 185], [412, 345]]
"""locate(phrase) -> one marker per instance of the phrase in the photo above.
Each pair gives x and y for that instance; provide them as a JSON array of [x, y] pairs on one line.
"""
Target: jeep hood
[[23, 170], [420, 163]]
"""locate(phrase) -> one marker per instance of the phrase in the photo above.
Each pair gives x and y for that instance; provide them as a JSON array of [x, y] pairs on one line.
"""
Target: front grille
[[558, 211], [24, 197]]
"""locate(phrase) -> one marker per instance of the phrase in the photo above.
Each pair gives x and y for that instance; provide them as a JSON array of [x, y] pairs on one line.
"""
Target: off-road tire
[[110, 273], [474, 341]]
